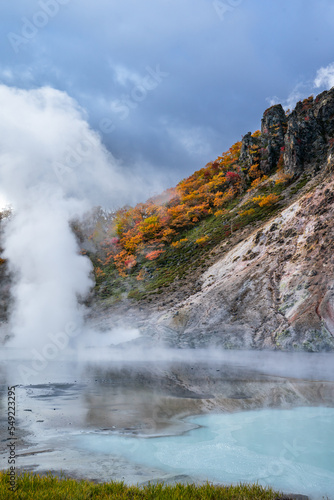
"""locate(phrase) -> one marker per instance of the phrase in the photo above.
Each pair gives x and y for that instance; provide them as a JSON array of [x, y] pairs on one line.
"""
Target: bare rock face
[[246, 158], [305, 138], [269, 145], [274, 290], [273, 129], [310, 133], [324, 112]]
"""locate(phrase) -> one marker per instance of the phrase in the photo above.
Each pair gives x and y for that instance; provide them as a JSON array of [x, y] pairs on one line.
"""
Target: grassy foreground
[[30, 486]]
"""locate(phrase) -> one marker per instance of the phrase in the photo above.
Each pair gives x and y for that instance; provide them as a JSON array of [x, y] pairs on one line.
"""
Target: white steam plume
[[52, 167]]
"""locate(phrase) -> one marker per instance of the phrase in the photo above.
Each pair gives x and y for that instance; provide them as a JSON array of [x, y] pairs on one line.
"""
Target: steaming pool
[[291, 450], [235, 417]]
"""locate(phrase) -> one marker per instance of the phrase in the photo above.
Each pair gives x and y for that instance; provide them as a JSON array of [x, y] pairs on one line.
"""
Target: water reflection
[[114, 397]]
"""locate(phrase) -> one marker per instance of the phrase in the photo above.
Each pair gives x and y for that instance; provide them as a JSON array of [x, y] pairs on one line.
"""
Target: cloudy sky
[[168, 84]]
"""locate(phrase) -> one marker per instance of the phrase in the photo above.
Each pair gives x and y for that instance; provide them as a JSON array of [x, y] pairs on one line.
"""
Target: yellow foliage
[[264, 201], [280, 163], [258, 181], [202, 240], [167, 235], [246, 212], [230, 157], [149, 226], [178, 244], [220, 212], [254, 172], [131, 244], [283, 179], [222, 198]]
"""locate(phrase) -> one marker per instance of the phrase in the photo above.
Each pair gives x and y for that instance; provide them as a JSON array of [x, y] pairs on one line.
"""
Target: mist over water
[[127, 408]]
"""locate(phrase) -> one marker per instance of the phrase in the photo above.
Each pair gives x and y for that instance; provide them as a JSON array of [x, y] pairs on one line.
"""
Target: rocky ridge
[[269, 287], [305, 137]]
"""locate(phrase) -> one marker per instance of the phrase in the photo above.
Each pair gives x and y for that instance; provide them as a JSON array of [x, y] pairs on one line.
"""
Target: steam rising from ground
[[49, 272], [53, 168]]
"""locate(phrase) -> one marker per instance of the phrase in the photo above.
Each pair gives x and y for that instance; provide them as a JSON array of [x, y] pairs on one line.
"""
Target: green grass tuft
[[30, 486]]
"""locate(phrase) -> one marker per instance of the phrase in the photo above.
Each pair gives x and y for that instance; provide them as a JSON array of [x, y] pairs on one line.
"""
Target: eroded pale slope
[[275, 289]]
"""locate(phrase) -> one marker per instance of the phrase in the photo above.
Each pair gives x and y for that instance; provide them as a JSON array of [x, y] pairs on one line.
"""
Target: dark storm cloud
[[169, 85]]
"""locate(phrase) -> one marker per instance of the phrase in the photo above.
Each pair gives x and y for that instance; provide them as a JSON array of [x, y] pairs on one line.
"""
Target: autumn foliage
[[264, 201], [143, 233]]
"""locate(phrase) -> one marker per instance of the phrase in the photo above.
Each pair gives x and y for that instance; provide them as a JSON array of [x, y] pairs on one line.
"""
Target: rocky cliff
[[269, 286], [305, 137], [266, 284]]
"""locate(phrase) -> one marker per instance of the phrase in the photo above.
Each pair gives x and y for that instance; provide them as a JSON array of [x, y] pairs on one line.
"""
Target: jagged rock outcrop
[[304, 141], [265, 149], [248, 142], [273, 129], [310, 134], [305, 137]]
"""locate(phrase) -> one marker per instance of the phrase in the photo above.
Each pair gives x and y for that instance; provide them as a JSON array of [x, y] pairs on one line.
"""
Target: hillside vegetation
[[238, 255], [138, 251]]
